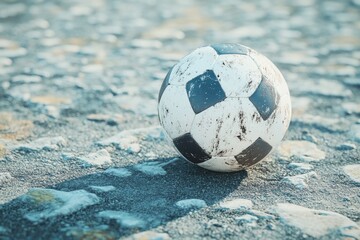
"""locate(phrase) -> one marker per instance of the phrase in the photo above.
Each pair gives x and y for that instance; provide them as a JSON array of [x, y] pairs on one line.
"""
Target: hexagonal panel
[[230, 48], [204, 91], [190, 149], [227, 128], [222, 164], [164, 84], [265, 98], [238, 75], [254, 153], [193, 65], [175, 112]]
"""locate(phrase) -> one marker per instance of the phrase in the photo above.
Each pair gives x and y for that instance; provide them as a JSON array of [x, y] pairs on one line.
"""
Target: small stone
[[103, 188], [109, 119], [5, 62], [301, 181], [322, 123], [300, 167], [238, 203], [26, 79], [353, 172], [317, 223], [146, 43], [148, 235], [45, 143], [355, 132], [346, 147], [12, 10], [50, 100], [351, 107], [303, 150], [260, 214], [98, 158], [124, 219], [321, 88], [129, 140], [5, 177], [191, 204], [48, 203], [93, 68], [247, 219], [13, 53], [118, 172]]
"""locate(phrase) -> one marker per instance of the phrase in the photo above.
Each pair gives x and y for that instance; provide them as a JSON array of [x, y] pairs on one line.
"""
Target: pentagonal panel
[[230, 48], [190, 149], [193, 65], [175, 111], [228, 127], [238, 75], [254, 153], [265, 98], [204, 91], [222, 164], [164, 84]]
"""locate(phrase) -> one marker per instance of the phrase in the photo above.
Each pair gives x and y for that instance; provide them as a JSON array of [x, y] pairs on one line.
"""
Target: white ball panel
[[175, 112], [193, 65], [277, 124], [228, 127], [222, 164], [238, 75]]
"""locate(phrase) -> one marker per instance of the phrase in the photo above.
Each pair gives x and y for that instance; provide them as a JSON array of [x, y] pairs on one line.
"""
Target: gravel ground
[[82, 155]]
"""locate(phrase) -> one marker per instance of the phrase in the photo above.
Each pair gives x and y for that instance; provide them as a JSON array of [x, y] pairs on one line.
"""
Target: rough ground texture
[[81, 156]]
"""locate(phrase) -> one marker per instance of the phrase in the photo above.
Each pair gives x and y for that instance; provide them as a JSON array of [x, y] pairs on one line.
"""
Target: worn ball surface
[[224, 107]]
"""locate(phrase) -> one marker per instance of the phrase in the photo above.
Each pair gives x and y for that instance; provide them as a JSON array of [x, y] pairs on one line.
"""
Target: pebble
[[129, 140], [13, 53], [191, 204], [355, 132], [261, 215], [148, 235], [238, 203], [302, 150], [351, 107], [301, 181], [322, 123], [5, 61], [45, 143], [12, 10], [247, 219], [118, 172], [98, 158], [317, 223], [300, 167], [124, 219], [321, 88], [109, 119], [26, 79], [101, 189], [353, 172], [5, 177], [345, 147], [154, 167], [48, 203]]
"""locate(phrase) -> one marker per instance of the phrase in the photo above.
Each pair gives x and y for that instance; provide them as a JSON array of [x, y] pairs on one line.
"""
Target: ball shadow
[[149, 195]]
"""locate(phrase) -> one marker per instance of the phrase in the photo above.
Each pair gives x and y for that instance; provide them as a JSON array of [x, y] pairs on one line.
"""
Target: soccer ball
[[224, 107]]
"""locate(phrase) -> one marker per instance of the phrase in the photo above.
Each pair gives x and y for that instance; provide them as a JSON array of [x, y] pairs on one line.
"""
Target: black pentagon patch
[[164, 84], [190, 149], [254, 153], [265, 98], [230, 48], [204, 91]]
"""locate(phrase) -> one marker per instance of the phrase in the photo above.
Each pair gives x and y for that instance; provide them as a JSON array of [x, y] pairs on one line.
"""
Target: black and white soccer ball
[[224, 107]]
